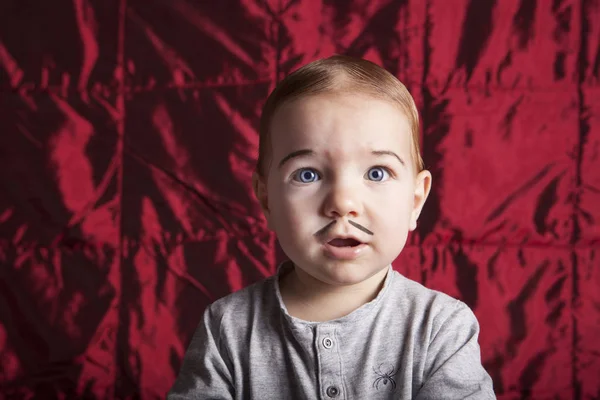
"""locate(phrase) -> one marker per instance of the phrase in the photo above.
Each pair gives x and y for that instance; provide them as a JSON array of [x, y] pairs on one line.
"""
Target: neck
[[310, 299]]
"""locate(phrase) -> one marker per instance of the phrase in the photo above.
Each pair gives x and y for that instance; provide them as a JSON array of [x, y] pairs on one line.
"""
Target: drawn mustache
[[354, 224]]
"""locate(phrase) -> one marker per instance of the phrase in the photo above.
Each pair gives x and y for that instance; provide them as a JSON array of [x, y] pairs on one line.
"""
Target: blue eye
[[377, 174], [306, 175]]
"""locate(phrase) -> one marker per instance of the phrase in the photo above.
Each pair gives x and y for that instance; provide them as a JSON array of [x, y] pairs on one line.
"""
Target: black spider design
[[385, 373]]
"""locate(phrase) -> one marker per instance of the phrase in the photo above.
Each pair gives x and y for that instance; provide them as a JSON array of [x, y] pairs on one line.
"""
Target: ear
[[422, 188], [260, 191]]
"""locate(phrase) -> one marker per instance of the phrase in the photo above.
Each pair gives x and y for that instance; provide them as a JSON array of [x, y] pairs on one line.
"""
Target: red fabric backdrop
[[128, 133]]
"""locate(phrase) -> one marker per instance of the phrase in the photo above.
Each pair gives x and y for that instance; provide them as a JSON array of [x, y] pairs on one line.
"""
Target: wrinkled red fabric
[[128, 134]]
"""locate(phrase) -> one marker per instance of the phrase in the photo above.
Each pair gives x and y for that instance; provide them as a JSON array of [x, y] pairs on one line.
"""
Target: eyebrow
[[309, 152], [294, 154], [388, 153]]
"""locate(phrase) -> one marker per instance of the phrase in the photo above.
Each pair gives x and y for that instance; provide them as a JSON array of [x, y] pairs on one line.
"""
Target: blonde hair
[[338, 74]]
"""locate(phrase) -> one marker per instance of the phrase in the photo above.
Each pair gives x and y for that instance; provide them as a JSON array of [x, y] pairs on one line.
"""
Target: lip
[[333, 236], [344, 253]]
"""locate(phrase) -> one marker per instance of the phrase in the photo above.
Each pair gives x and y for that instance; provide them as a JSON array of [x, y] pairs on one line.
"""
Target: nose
[[342, 200]]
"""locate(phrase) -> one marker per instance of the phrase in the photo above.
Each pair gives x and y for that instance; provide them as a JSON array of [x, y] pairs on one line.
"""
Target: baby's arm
[[453, 363], [204, 373]]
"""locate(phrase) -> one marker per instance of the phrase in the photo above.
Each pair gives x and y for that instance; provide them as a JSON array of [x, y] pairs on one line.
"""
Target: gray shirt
[[410, 342]]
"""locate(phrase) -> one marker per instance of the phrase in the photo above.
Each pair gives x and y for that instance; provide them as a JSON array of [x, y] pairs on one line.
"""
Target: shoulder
[[240, 305], [427, 305], [406, 290]]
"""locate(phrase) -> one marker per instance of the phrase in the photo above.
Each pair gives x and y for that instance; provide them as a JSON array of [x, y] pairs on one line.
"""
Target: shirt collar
[[359, 314]]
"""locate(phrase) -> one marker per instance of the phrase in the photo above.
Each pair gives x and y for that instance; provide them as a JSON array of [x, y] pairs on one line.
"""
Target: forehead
[[340, 124]]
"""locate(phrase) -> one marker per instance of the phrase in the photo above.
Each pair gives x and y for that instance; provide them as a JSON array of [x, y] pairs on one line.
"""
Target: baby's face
[[342, 191]]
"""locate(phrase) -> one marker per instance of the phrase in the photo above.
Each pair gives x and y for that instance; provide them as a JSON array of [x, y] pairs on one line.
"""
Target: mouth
[[344, 242], [344, 249]]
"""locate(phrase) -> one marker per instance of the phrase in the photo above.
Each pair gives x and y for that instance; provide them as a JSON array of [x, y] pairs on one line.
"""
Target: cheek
[[392, 224], [393, 210], [290, 210]]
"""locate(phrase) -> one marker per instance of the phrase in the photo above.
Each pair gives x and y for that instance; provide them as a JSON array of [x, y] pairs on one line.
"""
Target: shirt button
[[327, 343], [333, 391]]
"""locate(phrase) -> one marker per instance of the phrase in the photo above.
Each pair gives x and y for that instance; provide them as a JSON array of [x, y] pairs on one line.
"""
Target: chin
[[342, 273]]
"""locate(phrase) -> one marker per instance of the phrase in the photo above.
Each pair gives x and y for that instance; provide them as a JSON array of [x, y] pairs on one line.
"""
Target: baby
[[341, 181]]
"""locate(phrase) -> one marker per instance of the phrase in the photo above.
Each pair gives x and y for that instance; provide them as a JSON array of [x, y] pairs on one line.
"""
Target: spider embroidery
[[385, 373]]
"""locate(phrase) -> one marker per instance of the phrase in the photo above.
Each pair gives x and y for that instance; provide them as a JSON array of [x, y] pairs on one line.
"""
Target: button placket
[[330, 372]]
